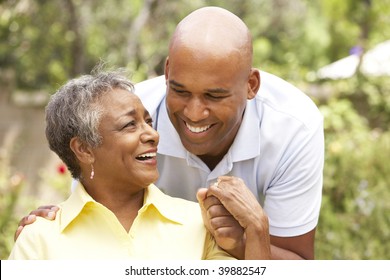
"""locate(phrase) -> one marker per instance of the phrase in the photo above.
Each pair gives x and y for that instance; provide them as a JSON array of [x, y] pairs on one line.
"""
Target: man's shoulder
[[152, 83], [275, 89], [279, 97], [151, 92]]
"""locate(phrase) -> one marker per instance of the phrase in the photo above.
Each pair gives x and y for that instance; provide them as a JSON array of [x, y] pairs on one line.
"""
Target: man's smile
[[197, 129]]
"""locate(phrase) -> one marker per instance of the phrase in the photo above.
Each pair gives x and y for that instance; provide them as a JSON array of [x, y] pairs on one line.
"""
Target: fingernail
[[51, 215], [30, 218]]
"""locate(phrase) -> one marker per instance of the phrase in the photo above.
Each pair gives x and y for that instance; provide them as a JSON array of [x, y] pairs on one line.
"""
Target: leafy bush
[[354, 222], [10, 187]]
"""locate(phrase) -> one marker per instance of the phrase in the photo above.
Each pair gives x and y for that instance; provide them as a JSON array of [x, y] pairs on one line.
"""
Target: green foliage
[[11, 185], [9, 193], [356, 197], [14, 205]]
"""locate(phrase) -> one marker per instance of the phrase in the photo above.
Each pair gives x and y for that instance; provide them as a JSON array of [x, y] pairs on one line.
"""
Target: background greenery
[[44, 43]]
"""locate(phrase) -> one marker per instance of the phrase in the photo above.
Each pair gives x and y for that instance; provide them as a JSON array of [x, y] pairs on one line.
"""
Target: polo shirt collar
[[79, 198], [245, 146], [73, 206], [170, 143]]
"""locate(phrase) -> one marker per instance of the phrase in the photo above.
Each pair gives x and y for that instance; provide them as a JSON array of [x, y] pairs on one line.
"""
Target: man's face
[[206, 99]]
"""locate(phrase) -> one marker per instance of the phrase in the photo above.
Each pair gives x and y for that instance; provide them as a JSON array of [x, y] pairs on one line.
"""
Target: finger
[[26, 220], [210, 201], [49, 207], [217, 211], [229, 232], [224, 222], [201, 195], [228, 238], [45, 213], [17, 233]]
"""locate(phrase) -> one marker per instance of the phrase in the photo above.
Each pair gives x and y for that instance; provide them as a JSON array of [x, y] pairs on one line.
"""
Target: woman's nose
[[149, 134]]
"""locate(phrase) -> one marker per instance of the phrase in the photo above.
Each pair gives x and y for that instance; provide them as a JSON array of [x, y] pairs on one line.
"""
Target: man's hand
[[239, 201], [49, 212]]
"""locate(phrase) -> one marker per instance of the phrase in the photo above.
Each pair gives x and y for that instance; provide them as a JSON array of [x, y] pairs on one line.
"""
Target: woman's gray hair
[[74, 111]]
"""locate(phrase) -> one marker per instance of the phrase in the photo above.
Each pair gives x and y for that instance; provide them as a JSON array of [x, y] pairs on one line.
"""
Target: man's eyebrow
[[217, 90], [210, 90], [173, 82]]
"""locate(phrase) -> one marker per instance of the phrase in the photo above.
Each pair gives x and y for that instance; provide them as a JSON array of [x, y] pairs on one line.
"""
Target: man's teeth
[[197, 129], [147, 155]]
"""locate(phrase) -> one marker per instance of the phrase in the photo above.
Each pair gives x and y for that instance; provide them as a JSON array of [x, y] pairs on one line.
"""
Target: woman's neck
[[122, 203]]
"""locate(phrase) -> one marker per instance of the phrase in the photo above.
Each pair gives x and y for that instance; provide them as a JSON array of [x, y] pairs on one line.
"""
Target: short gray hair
[[74, 111]]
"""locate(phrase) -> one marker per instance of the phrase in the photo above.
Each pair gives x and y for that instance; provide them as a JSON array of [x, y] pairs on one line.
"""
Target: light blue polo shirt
[[278, 152]]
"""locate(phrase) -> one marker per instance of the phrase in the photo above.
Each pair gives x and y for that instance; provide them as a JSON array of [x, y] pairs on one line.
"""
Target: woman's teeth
[[146, 156]]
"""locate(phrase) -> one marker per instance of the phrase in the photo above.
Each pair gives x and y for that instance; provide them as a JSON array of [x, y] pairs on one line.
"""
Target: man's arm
[[232, 194], [296, 247]]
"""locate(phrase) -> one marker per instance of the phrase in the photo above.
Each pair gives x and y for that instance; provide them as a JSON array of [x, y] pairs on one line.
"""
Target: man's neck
[[211, 161]]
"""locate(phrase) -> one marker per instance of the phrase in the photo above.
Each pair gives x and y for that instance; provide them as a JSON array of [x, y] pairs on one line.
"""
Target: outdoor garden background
[[44, 43]]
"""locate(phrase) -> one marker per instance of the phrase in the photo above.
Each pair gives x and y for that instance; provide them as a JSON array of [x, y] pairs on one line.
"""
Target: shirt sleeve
[[27, 246], [293, 200]]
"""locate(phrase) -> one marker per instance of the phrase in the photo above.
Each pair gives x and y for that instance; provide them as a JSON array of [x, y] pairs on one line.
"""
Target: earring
[[92, 172]]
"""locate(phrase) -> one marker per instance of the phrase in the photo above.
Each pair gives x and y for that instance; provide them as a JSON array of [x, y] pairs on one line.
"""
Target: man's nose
[[196, 110]]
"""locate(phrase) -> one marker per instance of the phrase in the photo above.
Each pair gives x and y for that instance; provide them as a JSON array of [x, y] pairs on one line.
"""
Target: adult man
[[214, 121]]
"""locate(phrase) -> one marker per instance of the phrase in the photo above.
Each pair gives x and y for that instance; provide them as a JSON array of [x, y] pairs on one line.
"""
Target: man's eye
[[180, 92], [211, 96]]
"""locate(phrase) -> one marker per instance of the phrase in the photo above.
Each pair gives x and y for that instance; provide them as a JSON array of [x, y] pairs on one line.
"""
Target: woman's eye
[[129, 124], [149, 122]]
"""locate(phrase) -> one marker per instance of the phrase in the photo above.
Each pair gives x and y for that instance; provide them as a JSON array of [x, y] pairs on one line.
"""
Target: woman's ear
[[253, 83], [82, 151]]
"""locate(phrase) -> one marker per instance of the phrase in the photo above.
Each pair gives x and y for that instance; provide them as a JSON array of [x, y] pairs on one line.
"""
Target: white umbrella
[[375, 62]]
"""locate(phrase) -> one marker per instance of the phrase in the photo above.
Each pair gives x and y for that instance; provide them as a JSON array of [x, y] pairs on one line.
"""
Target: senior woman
[[103, 133]]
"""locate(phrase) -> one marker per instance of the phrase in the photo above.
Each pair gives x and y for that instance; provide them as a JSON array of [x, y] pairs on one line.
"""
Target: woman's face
[[127, 156]]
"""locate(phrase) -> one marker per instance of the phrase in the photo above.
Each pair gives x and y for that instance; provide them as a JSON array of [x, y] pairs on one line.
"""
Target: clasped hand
[[235, 218]]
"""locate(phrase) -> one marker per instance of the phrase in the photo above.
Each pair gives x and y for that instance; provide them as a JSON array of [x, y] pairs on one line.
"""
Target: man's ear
[[253, 83], [82, 151], [166, 68]]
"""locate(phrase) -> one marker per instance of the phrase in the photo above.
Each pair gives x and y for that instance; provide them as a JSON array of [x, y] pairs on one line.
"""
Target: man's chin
[[197, 149]]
